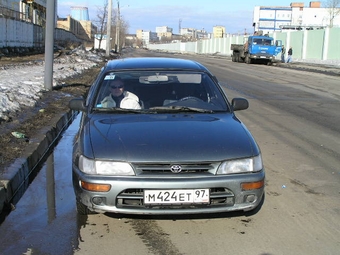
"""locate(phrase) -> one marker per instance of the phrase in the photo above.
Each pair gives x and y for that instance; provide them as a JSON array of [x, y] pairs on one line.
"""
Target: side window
[[92, 88], [103, 92], [215, 96]]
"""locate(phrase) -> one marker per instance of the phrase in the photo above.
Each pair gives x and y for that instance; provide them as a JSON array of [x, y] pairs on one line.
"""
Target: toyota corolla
[[159, 136]]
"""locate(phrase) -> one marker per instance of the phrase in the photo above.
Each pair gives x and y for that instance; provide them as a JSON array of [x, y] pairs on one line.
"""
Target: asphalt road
[[294, 116]]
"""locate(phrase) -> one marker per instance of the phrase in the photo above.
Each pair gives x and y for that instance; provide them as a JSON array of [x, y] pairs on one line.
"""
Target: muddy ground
[[31, 120]]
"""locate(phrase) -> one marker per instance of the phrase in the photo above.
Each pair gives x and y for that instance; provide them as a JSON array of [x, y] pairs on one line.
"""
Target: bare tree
[[333, 10], [124, 27], [101, 21]]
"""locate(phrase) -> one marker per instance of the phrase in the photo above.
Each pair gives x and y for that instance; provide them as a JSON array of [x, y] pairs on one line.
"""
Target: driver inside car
[[120, 98]]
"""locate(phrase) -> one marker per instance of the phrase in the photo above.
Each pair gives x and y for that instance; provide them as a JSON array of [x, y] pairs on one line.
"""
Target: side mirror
[[239, 104], [77, 104]]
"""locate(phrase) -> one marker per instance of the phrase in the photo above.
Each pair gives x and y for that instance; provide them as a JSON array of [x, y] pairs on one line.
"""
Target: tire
[[248, 60], [82, 209], [238, 59]]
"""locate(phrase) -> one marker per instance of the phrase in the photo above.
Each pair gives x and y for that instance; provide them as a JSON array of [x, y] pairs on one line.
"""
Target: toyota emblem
[[176, 168]]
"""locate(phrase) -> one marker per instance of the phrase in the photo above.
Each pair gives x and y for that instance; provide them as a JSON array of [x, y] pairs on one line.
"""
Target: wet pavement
[[45, 220]]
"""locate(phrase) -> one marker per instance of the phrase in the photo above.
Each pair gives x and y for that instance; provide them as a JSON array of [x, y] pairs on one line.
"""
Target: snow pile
[[22, 85]]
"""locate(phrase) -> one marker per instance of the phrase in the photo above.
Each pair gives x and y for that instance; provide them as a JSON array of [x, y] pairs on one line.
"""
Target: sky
[[235, 16]]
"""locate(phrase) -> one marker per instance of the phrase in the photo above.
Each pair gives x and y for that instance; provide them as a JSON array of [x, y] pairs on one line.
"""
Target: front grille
[[196, 168], [133, 199]]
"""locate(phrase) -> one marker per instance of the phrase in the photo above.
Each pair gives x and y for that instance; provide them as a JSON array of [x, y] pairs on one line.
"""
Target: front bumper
[[126, 193], [263, 57]]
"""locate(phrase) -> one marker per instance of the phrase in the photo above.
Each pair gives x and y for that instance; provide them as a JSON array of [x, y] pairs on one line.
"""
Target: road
[[294, 116]]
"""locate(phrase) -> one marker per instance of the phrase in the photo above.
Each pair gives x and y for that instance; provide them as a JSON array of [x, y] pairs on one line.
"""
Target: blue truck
[[257, 49]]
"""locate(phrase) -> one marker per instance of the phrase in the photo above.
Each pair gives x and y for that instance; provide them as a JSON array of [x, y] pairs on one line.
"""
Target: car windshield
[[158, 92]]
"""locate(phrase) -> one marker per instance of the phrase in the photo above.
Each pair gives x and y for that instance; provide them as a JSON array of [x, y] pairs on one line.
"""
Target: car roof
[[155, 63]]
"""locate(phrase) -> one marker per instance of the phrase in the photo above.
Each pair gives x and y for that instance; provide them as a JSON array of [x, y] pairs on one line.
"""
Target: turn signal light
[[95, 187], [252, 185]]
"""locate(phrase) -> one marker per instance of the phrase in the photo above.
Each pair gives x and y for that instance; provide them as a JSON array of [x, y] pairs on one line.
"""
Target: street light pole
[[49, 44], [108, 33], [117, 28]]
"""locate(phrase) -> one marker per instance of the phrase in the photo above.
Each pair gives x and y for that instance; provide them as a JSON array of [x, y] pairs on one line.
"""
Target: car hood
[[167, 137]]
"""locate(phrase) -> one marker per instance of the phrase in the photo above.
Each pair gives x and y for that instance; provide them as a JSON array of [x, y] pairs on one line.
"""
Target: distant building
[[164, 33], [146, 37], [294, 17], [163, 30], [33, 11], [83, 29], [176, 37], [139, 34], [193, 34], [202, 34], [80, 13], [188, 32], [79, 24], [219, 32]]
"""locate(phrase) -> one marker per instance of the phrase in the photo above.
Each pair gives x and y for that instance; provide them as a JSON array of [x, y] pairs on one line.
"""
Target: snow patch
[[22, 85]]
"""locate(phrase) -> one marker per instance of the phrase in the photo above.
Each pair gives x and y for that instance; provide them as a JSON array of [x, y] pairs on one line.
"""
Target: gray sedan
[[159, 136]]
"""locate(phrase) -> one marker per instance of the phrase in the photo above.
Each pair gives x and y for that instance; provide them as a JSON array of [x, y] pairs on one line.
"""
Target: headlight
[[101, 167], [238, 166]]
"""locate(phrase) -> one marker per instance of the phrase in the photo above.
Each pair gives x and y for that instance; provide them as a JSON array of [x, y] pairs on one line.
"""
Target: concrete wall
[[313, 41], [307, 45], [332, 49], [62, 36], [15, 33], [297, 40]]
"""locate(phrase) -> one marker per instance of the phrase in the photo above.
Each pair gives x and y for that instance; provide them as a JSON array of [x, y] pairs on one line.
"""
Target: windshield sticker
[[110, 76]]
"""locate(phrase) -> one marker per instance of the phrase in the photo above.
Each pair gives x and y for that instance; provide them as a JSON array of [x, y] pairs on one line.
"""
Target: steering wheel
[[190, 97]]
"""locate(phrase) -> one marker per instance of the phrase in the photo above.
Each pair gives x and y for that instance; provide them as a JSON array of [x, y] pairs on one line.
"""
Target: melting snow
[[22, 85]]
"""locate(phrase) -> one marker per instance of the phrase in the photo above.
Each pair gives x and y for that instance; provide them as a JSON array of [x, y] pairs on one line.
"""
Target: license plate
[[179, 196], [262, 57]]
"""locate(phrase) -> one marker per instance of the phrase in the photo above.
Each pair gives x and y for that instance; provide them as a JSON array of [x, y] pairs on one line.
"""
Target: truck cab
[[257, 48], [263, 48]]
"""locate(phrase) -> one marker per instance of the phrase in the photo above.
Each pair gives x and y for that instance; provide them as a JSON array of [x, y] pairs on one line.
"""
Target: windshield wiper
[[117, 110], [179, 109]]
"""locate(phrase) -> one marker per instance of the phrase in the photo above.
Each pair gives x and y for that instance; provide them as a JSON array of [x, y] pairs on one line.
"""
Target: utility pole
[[108, 33], [118, 28], [49, 44], [179, 26]]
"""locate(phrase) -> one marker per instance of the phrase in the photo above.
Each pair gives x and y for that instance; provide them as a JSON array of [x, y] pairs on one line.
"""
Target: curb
[[16, 178]]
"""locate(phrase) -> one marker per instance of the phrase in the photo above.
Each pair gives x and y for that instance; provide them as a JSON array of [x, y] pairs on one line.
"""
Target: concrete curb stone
[[16, 178]]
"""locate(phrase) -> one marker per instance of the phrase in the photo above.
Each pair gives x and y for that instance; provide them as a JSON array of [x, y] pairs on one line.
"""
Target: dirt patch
[[33, 119]]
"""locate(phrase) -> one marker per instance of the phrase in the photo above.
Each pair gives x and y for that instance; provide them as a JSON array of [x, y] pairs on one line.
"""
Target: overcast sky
[[235, 16]]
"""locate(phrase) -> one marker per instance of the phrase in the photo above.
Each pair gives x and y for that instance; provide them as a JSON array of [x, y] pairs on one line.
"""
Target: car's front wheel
[[83, 209]]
